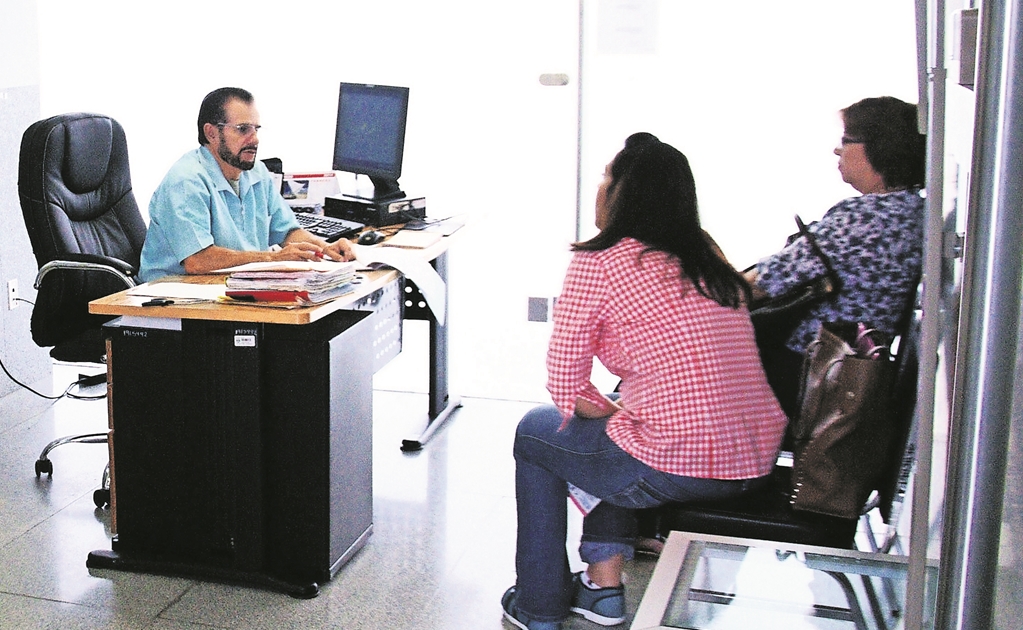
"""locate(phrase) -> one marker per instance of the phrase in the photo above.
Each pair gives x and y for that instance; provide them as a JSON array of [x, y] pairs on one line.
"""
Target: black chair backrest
[[903, 414], [75, 190]]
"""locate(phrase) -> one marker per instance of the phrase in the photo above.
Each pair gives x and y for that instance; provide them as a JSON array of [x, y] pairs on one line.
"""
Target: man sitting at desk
[[218, 207]]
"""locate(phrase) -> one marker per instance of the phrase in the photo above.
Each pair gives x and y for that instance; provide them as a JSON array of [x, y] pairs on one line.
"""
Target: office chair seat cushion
[[88, 347]]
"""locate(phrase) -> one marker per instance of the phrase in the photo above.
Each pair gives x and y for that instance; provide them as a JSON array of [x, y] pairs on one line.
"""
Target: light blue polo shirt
[[195, 207]]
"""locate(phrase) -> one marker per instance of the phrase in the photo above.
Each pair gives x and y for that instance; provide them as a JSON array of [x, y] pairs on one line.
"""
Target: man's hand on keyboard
[[300, 250], [339, 250], [303, 245]]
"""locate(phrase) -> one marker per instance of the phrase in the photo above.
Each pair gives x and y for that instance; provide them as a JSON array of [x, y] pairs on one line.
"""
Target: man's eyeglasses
[[847, 140], [244, 128]]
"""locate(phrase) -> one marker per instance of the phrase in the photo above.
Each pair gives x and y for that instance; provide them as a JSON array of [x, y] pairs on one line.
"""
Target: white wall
[[749, 93], [484, 138], [19, 108]]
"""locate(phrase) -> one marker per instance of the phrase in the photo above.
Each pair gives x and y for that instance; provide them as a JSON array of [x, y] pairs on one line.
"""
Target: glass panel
[[722, 585]]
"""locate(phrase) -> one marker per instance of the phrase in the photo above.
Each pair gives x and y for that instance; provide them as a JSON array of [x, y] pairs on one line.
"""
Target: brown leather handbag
[[843, 434]]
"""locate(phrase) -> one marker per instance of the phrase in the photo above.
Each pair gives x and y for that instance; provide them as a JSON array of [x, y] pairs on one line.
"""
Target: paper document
[[411, 264], [179, 291], [582, 499], [286, 265], [444, 227], [413, 240]]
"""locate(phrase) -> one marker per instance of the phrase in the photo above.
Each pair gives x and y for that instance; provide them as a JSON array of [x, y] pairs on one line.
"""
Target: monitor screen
[[370, 135]]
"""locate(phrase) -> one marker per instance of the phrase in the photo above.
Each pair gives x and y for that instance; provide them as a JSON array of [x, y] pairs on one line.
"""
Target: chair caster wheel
[[44, 466], [101, 498]]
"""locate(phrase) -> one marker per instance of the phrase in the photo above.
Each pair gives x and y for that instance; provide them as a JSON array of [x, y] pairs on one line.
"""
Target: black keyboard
[[329, 229]]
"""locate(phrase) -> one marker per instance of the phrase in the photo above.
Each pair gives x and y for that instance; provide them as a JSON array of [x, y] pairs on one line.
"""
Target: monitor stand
[[384, 189]]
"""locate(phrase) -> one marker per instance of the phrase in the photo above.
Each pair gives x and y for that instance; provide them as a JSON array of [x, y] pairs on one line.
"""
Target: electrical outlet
[[12, 294], [539, 309]]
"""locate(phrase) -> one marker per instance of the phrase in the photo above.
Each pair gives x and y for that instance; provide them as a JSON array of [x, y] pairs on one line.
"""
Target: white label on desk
[[135, 321], [244, 341]]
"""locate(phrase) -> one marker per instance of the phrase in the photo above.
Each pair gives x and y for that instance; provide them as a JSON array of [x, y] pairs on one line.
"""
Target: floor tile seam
[[191, 585], [38, 522], [29, 528], [466, 397], [77, 604], [28, 420]]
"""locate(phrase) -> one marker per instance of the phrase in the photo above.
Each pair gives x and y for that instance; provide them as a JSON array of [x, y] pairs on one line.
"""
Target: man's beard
[[235, 159]]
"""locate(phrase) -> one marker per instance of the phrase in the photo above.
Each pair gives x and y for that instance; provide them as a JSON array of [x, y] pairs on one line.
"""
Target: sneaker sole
[[515, 622], [589, 615]]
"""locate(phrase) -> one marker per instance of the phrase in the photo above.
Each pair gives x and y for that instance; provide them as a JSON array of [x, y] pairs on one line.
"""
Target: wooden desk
[[241, 436], [441, 403], [121, 304]]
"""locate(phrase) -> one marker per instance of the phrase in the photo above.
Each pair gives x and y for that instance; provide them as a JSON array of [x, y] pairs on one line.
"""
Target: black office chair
[[86, 232], [767, 514]]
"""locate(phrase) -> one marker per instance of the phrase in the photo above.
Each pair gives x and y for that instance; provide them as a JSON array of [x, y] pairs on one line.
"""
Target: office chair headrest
[[90, 140]]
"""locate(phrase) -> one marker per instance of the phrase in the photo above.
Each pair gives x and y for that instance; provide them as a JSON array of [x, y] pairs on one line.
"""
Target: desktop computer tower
[[241, 452], [375, 213]]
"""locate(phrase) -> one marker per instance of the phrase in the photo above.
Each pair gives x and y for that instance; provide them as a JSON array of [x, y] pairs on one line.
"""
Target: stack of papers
[[304, 283]]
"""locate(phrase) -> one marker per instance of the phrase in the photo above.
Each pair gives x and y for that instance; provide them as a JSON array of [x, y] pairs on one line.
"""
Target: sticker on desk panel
[[244, 340]]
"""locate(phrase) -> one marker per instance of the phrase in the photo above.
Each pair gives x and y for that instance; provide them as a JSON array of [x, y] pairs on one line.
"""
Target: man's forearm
[[215, 257]]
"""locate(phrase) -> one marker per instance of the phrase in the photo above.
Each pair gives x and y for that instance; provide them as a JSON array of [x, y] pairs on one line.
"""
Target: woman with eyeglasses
[[654, 301], [874, 242]]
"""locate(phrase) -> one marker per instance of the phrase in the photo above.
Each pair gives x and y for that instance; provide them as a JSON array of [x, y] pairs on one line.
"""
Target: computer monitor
[[370, 136]]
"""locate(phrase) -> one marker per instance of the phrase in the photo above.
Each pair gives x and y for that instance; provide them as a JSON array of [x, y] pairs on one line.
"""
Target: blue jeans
[[583, 455]]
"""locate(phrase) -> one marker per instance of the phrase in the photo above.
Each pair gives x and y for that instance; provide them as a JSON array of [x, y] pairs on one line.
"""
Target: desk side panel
[[318, 427]]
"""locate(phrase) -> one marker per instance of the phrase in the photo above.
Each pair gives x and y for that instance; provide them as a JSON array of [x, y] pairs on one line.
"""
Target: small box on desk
[[375, 213]]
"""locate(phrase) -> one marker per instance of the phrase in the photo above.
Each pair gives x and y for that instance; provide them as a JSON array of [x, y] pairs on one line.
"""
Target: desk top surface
[[122, 303]]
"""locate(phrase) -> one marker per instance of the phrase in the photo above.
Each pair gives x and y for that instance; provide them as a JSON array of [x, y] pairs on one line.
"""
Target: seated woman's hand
[[587, 409]]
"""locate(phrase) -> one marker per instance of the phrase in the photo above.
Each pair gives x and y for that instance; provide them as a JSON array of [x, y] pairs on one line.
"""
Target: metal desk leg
[[441, 403]]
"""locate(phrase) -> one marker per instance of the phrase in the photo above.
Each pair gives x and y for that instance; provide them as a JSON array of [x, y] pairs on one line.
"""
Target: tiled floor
[[440, 556]]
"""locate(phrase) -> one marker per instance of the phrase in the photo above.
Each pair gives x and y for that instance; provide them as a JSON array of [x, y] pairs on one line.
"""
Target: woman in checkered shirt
[[654, 300]]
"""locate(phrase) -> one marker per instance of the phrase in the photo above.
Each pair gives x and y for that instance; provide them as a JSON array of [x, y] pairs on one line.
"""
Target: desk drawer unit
[[242, 452]]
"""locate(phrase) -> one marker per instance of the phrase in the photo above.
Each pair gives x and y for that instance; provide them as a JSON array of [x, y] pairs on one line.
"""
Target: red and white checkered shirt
[[694, 396]]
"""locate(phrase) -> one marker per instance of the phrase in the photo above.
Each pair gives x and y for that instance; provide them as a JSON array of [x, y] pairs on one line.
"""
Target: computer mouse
[[371, 237]]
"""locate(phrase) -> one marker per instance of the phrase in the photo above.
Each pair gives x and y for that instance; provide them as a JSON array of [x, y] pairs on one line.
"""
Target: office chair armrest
[[91, 262]]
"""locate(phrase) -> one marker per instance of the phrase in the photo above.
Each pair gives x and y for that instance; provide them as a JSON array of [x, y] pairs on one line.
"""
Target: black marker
[[158, 302]]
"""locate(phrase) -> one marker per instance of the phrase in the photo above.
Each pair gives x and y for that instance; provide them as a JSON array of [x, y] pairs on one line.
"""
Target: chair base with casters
[[101, 497], [81, 350]]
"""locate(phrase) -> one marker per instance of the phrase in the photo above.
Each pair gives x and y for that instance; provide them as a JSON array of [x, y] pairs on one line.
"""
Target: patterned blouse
[[875, 243], [694, 396]]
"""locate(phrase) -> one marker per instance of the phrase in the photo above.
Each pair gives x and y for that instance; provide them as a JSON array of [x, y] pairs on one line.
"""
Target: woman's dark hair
[[892, 140], [212, 108], [652, 198]]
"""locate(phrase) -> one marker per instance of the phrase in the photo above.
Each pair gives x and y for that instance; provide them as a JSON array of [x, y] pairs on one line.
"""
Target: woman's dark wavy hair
[[892, 140], [652, 198]]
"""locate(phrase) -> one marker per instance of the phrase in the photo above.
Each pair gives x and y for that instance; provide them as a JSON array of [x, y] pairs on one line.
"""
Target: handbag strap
[[811, 238]]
